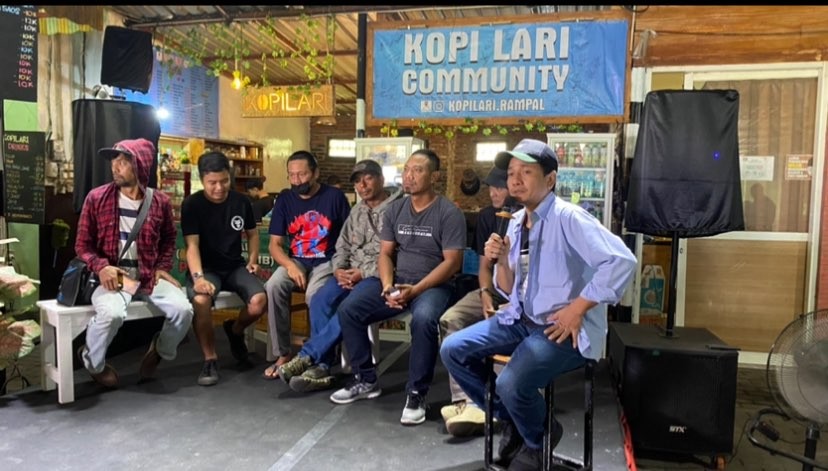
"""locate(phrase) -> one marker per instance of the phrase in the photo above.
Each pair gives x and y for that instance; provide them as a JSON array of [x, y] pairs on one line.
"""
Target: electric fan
[[797, 375]]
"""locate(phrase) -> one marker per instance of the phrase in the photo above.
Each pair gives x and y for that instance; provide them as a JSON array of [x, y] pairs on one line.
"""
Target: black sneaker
[[510, 443], [527, 459], [237, 345], [414, 411], [209, 373]]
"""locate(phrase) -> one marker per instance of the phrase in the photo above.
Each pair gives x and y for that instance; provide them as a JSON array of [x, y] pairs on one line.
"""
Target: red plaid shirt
[[97, 241]]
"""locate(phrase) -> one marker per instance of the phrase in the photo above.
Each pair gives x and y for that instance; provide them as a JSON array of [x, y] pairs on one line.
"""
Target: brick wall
[[459, 154]]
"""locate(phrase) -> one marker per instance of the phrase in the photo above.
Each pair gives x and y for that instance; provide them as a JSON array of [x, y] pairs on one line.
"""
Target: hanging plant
[[318, 65]]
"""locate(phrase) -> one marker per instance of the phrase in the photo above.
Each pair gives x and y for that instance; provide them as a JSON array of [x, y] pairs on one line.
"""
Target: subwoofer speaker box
[[678, 393], [126, 60]]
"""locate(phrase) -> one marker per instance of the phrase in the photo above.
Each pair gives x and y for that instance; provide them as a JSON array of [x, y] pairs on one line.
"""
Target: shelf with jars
[[178, 158], [174, 176], [246, 158]]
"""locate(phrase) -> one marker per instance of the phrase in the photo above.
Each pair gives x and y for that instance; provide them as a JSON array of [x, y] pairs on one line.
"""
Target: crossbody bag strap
[[371, 222], [139, 221]]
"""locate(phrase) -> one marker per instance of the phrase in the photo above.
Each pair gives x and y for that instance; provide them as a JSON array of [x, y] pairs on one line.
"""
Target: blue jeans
[[365, 305], [325, 329], [535, 362]]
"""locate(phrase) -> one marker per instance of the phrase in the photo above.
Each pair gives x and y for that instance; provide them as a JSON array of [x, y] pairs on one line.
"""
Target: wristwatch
[[197, 275]]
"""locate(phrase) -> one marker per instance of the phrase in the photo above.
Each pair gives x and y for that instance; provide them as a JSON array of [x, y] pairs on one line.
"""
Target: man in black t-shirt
[[212, 222], [462, 416]]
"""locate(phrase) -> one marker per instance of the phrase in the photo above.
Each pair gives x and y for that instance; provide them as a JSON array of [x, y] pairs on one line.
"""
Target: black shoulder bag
[[79, 282]]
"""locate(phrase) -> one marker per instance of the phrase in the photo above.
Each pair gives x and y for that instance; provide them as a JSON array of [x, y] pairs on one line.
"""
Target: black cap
[[110, 153], [496, 178], [532, 151], [365, 166]]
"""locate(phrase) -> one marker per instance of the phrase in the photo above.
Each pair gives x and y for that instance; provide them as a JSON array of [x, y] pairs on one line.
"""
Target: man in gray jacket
[[357, 251]]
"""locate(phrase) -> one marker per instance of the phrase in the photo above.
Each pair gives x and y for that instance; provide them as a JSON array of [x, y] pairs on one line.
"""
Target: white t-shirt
[[127, 215]]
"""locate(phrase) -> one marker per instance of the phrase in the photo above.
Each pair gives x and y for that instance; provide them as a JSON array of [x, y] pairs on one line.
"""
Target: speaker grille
[[126, 60]]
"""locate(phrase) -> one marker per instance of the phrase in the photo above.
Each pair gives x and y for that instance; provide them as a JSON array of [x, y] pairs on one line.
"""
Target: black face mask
[[302, 189]]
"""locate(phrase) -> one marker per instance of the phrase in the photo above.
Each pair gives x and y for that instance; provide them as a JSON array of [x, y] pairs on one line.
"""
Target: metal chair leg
[[589, 370], [549, 457], [488, 426], [548, 450]]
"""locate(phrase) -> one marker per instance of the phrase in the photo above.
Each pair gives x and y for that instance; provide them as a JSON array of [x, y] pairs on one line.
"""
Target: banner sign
[[558, 69], [281, 102]]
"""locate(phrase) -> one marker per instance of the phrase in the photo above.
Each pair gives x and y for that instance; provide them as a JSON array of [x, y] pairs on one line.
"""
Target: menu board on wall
[[24, 166], [18, 57], [190, 97]]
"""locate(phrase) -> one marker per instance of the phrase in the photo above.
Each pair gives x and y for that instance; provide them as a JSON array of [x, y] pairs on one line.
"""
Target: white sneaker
[[356, 391], [414, 412]]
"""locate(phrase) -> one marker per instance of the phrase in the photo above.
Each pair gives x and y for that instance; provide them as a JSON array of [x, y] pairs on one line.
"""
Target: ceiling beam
[[287, 11], [340, 53]]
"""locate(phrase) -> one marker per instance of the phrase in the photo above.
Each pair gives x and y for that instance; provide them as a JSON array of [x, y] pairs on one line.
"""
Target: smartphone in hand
[[129, 285]]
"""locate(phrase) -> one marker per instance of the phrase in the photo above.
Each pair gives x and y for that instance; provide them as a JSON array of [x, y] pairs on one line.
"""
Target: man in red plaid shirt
[[107, 218]]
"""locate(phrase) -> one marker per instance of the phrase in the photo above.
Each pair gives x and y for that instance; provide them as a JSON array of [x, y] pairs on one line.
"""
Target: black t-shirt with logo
[[219, 227]]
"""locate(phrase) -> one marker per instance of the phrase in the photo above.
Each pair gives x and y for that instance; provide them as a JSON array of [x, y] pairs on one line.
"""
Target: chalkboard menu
[[18, 57], [191, 97], [24, 160]]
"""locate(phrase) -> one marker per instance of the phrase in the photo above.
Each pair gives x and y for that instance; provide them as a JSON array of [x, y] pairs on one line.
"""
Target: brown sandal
[[272, 371]]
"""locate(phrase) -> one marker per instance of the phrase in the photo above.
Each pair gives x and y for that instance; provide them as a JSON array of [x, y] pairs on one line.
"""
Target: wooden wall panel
[[745, 292], [706, 35], [822, 274]]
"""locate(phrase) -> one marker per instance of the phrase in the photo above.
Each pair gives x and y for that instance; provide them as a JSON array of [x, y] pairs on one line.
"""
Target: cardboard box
[[652, 291], [471, 262]]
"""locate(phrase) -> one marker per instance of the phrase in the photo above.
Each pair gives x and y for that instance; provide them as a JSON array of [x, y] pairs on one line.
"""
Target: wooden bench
[[61, 324]]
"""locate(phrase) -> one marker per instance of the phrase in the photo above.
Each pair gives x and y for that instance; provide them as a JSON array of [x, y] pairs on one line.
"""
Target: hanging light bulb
[[237, 83]]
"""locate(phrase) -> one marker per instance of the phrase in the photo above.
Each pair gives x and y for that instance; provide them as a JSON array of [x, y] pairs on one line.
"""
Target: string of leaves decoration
[[192, 48], [473, 126]]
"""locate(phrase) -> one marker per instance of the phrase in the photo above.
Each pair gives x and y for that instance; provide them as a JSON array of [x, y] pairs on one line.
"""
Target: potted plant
[[17, 337]]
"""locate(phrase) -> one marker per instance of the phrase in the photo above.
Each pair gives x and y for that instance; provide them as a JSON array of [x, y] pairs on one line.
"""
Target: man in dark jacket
[[141, 272]]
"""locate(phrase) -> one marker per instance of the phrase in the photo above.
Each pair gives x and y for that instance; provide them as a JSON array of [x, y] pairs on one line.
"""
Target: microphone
[[503, 218]]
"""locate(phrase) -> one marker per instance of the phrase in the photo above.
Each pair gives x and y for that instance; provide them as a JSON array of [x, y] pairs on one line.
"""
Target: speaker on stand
[[678, 385], [126, 59]]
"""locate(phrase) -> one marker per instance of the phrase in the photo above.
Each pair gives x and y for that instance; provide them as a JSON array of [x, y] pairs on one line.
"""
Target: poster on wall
[[24, 164], [496, 70], [756, 167], [798, 166], [18, 59], [190, 98]]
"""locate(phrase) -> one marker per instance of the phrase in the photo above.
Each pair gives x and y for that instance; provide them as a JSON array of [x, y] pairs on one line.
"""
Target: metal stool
[[549, 458]]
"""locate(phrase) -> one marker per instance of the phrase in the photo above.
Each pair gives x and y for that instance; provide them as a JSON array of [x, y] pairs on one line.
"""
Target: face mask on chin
[[302, 189]]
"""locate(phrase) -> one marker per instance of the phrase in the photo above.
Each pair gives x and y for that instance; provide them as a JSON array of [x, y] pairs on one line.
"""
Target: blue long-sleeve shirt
[[571, 254]]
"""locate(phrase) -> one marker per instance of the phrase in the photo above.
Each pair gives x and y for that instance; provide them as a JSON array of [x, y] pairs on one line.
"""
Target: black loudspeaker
[[685, 177], [126, 61], [679, 393]]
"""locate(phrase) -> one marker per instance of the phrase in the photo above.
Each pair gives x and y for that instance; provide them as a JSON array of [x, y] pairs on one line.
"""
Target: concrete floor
[[248, 423]]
